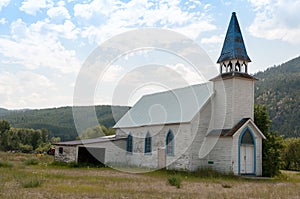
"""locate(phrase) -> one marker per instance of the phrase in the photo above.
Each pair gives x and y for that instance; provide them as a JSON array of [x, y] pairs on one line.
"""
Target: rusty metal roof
[[234, 47], [228, 132]]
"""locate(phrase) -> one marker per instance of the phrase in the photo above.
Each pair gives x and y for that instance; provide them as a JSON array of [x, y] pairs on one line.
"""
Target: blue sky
[[43, 43]]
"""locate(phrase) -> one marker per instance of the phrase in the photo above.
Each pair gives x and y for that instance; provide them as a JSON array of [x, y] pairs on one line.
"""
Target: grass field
[[28, 176]]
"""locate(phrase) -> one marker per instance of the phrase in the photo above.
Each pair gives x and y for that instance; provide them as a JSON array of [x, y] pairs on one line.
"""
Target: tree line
[[23, 139]]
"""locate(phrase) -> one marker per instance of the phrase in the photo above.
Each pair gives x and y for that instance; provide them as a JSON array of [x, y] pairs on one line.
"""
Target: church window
[[170, 143], [148, 143], [247, 138], [129, 145]]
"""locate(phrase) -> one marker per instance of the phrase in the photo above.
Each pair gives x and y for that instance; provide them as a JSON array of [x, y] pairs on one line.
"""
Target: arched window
[[247, 138], [148, 143], [170, 143], [129, 145]]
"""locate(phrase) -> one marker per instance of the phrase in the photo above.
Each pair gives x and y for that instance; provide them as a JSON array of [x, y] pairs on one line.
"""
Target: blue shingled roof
[[233, 47]]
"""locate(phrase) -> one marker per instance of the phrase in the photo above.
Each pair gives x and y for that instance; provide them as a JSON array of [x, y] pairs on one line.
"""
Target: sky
[[44, 43]]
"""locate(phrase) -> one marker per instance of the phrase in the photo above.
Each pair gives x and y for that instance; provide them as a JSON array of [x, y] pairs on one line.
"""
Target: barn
[[204, 125]]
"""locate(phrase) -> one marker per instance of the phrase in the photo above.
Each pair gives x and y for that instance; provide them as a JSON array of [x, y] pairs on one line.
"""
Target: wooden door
[[247, 159]]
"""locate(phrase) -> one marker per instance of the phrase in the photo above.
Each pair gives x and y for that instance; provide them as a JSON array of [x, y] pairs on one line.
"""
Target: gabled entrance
[[247, 153]]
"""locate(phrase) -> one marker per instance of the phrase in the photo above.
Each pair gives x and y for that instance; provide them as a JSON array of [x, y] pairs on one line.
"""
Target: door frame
[[254, 152]]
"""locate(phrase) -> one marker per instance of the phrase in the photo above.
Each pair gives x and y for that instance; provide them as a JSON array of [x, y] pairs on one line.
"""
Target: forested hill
[[279, 89], [59, 121]]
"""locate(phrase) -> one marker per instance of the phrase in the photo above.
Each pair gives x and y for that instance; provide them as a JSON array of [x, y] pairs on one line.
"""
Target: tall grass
[[32, 162], [6, 164]]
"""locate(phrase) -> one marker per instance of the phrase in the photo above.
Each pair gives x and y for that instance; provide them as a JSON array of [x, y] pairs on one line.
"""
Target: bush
[[6, 164], [175, 180], [32, 162], [31, 183]]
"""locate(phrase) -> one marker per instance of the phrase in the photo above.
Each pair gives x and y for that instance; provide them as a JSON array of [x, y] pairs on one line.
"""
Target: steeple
[[234, 56]]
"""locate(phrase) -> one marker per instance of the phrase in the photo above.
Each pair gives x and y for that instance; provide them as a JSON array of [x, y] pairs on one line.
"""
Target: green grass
[[6, 164], [31, 162], [49, 179], [75, 165], [31, 183]]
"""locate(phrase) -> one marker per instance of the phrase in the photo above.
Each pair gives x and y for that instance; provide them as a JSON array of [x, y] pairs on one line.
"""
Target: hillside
[[279, 89], [59, 121]]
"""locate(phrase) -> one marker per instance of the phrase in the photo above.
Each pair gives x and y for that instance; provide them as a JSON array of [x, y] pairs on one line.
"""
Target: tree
[[291, 154], [271, 146], [97, 131], [4, 128]]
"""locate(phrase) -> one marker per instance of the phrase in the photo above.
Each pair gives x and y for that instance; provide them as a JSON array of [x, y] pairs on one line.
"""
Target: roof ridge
[[176, 89]]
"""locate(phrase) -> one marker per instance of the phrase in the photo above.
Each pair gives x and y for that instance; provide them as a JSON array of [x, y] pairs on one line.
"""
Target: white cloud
[[58, 12], [87, 10], [259, 3], [33, 6], [215, 39], [3, 3], [276, 19], [3, 21], [20, 89], [122, 17], [67, 30], [33, 49], [187, 73], [112, 73]]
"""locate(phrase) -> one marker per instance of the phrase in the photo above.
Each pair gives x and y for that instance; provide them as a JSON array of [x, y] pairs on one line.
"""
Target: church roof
[[169, 107], [233, 47], [233, 130], [89, 141]]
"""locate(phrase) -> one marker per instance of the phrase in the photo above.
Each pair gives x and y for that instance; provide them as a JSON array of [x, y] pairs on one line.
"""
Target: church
[[204, 125]]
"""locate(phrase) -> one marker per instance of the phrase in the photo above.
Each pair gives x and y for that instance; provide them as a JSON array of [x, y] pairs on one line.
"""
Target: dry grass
[[63, 182]]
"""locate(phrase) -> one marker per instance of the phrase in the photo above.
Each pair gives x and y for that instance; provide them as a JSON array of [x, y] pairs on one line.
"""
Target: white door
[[247, 159]]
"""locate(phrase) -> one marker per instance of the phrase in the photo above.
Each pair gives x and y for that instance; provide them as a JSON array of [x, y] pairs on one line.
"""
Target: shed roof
[[233, 130], [89, 141], [234, 47], [173, 106]]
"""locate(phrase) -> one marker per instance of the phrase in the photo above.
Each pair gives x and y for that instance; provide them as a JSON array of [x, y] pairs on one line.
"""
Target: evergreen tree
[[271, 146]]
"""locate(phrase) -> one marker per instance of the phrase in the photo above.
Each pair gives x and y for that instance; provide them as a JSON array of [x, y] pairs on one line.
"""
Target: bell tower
[[234, 57], [234, 87]]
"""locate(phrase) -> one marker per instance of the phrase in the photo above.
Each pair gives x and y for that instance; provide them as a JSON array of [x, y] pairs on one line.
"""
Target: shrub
[[175, 180], [32, 162], [226, 186], [31, 183], [6, 164]]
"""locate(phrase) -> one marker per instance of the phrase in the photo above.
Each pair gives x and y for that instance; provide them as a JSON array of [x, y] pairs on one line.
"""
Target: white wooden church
[[204, 125]]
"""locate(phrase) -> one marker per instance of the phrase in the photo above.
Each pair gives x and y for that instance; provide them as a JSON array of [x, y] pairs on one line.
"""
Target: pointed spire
[[233, 47]]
